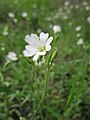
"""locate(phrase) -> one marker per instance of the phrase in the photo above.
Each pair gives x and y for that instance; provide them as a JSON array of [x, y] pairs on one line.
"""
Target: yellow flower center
[[42, 48]]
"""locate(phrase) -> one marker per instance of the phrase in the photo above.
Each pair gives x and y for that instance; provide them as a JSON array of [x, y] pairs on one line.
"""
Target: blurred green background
[[72, 65]]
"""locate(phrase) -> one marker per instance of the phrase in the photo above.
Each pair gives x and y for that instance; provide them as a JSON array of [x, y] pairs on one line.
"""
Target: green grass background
[[69, 85]]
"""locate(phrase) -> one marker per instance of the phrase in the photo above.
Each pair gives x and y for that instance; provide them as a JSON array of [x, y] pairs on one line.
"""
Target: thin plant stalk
[[44, 93], [36, 80]]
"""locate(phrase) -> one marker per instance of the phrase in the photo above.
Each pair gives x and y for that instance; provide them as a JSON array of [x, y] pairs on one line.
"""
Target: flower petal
[[43, 36], [42, 53], [27, 39], [32, 40], [28, 53], [31, 48], [34, 37], [49, 40], [36, 56], [48, 47]]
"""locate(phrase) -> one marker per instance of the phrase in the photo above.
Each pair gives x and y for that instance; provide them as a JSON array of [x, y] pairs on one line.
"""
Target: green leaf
[[5, 89]]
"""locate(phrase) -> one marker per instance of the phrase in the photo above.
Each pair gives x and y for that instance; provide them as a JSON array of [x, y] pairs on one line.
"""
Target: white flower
[[78, 28], [88, 19], [87, 8], [49, 19], [56, 28], [39, 30], [11, 14], [66, 3], [65, 17], [3, 48], [80, 41], [76, 6], [12, 56], [84, 3], [5, 33], [15, 20], [78, 35], [24, 14], [38, 46]]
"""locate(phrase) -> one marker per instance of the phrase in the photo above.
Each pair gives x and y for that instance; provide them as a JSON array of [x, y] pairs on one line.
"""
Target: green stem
[[3, 70], [2, 77], [5, 65], [44, 93], [36, 80]]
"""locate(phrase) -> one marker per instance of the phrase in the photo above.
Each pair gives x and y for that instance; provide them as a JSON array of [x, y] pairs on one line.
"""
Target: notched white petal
[[34, 37], [27, 39], [43, 36], [49, 40]]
